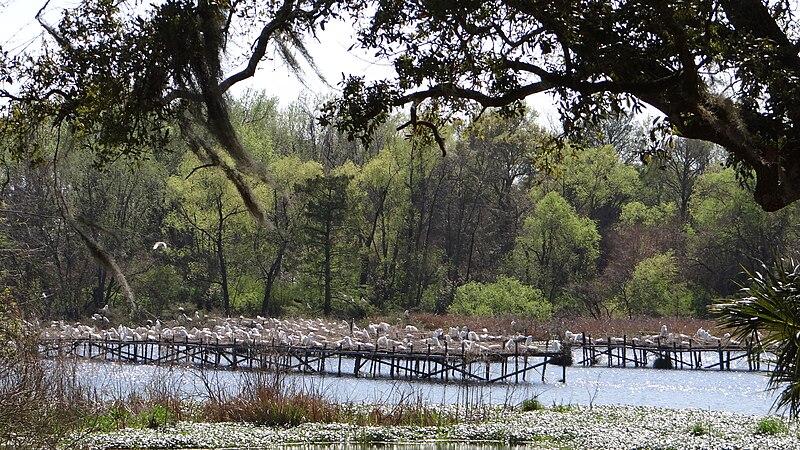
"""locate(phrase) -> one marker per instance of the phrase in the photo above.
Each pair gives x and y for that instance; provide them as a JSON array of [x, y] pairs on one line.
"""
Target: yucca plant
[[769, 307]]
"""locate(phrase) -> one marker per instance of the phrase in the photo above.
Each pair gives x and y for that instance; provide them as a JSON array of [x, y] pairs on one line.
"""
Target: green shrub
[[506, 296], [771, 425]]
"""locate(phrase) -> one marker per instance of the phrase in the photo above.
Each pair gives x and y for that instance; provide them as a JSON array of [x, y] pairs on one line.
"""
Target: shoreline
[[573, 426]]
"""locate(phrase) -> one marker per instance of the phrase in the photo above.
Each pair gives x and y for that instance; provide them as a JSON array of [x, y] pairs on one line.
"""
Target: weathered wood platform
[[425, 364], [673, 355]]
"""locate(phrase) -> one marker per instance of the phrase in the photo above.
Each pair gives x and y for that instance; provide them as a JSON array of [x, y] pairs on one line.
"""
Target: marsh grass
[[40, 401], [155, 405], [269, 398]]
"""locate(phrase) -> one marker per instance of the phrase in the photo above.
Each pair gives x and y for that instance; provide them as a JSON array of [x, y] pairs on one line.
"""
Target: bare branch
[[283, 15], [452, 91], [204, 166]]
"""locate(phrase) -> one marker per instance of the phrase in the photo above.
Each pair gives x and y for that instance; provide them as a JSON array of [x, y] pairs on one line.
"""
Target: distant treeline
[[506, 222]]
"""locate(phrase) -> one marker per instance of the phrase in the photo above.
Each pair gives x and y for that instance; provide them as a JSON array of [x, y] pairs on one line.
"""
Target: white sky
[[19, 30]]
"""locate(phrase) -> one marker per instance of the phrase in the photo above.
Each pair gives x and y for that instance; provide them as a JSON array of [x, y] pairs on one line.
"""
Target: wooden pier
[[426, 364], [622, 352]]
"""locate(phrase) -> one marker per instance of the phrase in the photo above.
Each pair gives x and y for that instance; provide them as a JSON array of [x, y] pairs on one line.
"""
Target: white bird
[[159, 245], [383, 341]]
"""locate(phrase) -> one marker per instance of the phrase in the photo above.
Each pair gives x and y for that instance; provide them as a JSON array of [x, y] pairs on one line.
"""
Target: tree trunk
[[272, 274], [223, 268], [326, 307]]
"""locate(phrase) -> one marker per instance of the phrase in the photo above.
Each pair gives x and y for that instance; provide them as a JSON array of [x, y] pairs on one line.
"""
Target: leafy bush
[[506, 296]]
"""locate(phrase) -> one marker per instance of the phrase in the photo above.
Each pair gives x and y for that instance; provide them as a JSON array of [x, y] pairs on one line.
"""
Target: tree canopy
[[720, 70], [128, 77]]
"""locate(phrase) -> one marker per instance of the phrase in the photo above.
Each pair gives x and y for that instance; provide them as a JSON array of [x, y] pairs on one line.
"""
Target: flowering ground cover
[[579, 427]]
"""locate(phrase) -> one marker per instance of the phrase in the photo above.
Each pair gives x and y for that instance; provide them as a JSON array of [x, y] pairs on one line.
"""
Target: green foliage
[[701, 429], [729, 231], [771, 426], [640, 54], [119, 416], [505, 297], [656, 288], [768, 307], [596, 182], [162, 286], [561, 408], [635, 212], [556, 247], [531, 404]]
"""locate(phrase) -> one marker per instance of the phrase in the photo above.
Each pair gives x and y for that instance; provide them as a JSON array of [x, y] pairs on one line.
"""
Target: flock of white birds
[[347, 335], [702, 338], [307, 333]]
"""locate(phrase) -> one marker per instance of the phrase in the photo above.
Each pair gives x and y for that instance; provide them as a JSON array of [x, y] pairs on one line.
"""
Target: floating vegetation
[[597, 427]]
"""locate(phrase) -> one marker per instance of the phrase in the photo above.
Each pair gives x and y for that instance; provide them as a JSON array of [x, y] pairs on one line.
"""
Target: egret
[[159, 245]]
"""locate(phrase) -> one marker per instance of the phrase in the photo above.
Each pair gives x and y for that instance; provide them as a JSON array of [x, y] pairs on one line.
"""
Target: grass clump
[[270, 404], [771, 426], [561, 408], [268, 399], [121, 415], [531, 404], [700, 429], [400, 414]]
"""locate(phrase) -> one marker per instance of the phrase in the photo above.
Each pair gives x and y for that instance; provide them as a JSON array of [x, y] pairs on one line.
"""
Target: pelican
[[383, 341]]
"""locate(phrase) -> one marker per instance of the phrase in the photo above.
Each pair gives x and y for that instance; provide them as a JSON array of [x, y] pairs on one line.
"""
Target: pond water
[[736, 391]]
